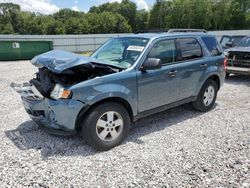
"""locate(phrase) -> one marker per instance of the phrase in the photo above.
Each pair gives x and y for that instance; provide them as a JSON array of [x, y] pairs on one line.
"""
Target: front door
[[159, 87]]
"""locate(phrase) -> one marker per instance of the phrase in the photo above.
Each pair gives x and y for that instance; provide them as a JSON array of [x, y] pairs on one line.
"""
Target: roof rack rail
[[187, 31], [153, 31], [173, 31]]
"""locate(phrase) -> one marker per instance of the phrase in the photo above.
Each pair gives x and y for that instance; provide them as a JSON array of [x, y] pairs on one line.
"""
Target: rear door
[[195, 61], [192, 65]]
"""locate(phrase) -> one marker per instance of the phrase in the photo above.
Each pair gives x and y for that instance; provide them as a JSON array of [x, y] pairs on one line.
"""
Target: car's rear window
[[212, 45]]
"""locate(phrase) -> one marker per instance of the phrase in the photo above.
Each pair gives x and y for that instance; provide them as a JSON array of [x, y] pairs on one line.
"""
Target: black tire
[[199, 104], [227, 74], [90, 128]]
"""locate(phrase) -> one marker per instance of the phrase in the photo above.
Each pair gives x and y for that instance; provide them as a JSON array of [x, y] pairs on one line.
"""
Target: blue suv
[[126, 79]]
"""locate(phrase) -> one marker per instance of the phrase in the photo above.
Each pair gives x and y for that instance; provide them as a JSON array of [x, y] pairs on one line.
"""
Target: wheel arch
[[215, 78], [118, 100]]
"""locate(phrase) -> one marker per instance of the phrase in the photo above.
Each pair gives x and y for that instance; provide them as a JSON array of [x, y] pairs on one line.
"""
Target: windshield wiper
[[115, 68], [107, 67]]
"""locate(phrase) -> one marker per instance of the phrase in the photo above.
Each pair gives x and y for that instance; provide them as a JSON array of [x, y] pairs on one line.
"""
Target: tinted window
[[188, 48], [212, 45], [164, 50]]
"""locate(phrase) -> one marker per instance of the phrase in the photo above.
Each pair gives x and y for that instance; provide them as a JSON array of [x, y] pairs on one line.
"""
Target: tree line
[[124, 17]]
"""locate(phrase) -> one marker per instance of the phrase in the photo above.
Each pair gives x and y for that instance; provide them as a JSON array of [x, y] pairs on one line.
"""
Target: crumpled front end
[[48, 98], [58, 115]]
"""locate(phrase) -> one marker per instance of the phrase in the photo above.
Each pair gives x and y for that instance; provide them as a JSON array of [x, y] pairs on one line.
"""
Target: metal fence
[[218, 34], [81, 43], [72, 43]]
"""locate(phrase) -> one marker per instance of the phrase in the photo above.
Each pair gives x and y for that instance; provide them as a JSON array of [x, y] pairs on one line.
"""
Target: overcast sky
[[51, 6]]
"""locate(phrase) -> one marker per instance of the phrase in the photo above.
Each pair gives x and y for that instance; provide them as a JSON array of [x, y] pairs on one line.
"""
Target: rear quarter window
[[212, 45]]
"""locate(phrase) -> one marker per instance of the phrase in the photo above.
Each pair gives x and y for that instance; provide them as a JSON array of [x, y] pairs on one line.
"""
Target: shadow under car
[[29, 135]]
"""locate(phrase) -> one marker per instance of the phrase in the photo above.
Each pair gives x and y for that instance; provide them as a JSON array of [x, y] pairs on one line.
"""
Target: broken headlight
[[60, 92]]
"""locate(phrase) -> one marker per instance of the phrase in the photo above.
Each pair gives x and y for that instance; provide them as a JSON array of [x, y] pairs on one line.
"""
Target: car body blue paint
[[143, 90], [58, 114], [121, 85], [211, 71]]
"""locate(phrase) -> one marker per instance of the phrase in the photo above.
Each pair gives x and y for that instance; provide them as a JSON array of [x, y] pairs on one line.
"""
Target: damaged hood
[[58, 60]]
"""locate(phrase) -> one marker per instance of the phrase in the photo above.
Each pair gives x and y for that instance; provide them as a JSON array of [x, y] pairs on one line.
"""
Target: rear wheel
[[106, 126], [207, 96]]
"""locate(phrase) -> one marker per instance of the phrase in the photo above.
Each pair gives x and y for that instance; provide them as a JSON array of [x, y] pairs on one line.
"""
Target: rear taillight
[[225, 63]]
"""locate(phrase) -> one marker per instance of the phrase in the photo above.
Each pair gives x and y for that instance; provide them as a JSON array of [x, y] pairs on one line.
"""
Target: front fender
[[110, 91], [122, 85]]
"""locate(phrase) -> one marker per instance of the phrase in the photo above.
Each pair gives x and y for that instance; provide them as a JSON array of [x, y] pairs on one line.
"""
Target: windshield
[[122, 52], [245, 42], [236, 39]]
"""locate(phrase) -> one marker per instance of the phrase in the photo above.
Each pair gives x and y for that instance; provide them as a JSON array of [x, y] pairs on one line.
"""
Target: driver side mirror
[[151, 64]]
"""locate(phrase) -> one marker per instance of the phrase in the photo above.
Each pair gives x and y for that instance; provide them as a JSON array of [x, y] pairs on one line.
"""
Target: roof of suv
[[159, 35]]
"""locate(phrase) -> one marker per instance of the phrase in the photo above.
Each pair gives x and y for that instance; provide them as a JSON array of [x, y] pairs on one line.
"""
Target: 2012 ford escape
[[126, 79]]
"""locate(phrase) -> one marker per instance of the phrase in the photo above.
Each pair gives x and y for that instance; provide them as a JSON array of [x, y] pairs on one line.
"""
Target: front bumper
[[238, 70], [59, 116]]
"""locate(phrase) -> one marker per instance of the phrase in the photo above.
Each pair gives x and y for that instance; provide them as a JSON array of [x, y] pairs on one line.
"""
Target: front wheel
[[106, 126], [207, 96]]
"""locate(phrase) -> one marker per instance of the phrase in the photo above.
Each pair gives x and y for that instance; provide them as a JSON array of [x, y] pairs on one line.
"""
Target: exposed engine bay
[[59, 69], [46, 80]]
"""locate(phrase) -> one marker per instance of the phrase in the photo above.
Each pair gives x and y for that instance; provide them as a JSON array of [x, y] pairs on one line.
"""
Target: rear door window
[[212, 45], [188, 48]]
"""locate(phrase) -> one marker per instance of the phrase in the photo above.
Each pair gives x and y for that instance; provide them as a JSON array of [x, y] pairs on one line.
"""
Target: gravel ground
[[176, 148]]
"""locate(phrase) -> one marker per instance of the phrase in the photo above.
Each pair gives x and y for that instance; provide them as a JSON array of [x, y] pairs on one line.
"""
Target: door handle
[[172, 73], [203, 65]]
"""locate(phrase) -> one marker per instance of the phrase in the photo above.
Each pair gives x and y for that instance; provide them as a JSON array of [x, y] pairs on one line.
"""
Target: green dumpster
[[20, 50]]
